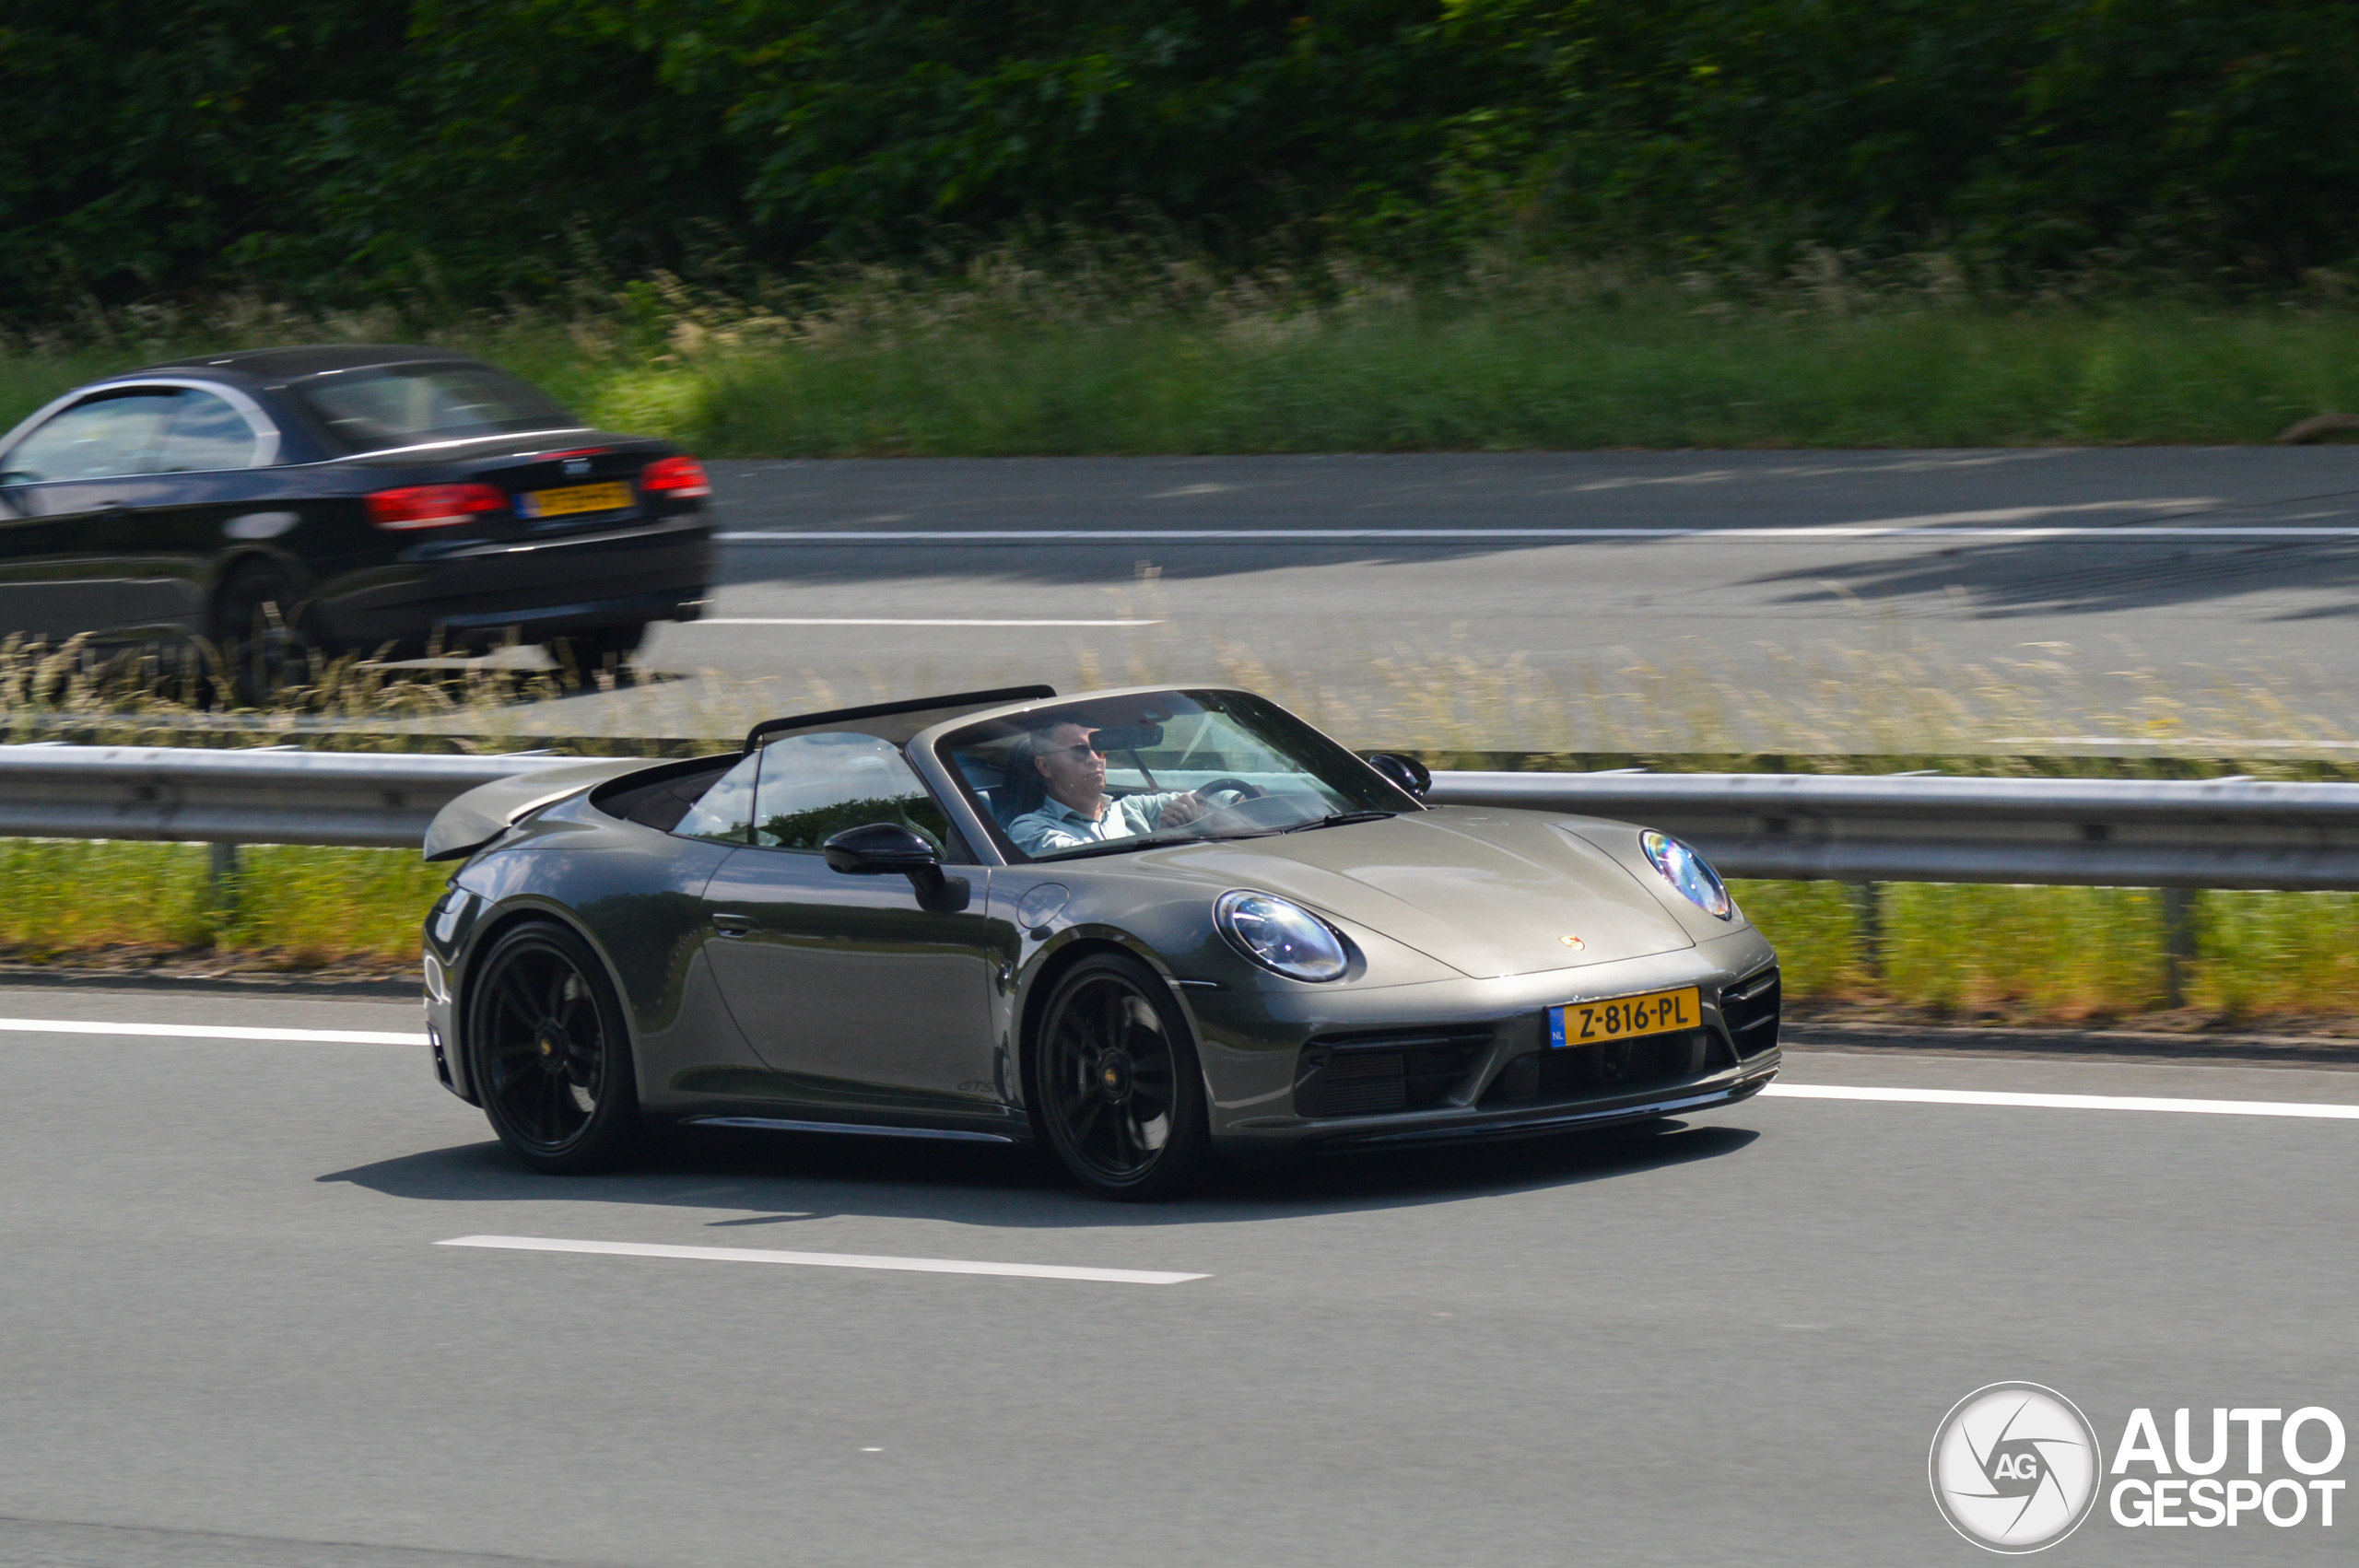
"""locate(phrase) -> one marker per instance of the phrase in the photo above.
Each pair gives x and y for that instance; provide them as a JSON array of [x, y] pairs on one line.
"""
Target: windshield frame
[[1320, 753]]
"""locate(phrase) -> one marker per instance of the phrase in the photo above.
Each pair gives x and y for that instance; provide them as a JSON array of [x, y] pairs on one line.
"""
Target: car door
[[69, 489], [865, 996]]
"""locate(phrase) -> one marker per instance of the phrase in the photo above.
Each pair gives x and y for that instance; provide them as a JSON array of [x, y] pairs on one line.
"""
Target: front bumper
[[1291, 1066], [1458, 1125]]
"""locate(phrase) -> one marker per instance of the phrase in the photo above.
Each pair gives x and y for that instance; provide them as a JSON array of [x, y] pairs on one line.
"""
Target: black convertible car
[[1134, 927], [344, 499]]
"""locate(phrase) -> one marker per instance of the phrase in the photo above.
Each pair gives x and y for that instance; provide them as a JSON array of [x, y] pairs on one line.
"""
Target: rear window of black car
[[400, 405]]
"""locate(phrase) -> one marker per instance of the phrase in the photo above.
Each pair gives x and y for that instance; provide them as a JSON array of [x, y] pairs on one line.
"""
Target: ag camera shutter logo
[[2014, 1468]]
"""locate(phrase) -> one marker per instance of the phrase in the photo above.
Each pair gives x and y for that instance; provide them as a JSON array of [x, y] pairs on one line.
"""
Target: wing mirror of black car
[[879, 849], [1406, 772]]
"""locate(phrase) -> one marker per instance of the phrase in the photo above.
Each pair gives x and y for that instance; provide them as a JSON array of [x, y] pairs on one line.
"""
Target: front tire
[[551, 1053], [1116, 1082]]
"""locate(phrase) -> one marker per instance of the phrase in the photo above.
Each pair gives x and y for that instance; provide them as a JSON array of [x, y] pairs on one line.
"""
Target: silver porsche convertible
[[1139, 929]]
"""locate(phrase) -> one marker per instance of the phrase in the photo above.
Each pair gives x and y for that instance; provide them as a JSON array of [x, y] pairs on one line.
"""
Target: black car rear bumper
[[475, 595]]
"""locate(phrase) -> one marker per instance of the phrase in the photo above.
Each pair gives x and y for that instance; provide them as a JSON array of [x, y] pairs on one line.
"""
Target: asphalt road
[[2206, 584], [229, 1338]]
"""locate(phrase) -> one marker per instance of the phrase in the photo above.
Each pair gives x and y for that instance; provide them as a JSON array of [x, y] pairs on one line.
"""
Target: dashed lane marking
[[2258, 533], [827, 1259], [874, 621], [2067, 1102], [209, 1032]]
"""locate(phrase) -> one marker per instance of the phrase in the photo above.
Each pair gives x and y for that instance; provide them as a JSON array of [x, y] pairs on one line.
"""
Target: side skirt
[[858, 1129]]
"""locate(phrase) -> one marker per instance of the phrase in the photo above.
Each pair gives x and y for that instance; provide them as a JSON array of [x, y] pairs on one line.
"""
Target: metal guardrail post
[[1867, 922], [2178, 942]]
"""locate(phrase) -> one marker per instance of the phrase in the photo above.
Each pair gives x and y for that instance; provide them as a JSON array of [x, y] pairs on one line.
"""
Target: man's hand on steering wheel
[[1182, 810]]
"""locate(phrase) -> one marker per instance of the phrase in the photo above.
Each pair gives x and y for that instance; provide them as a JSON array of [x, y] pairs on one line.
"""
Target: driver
[[1077, 811]]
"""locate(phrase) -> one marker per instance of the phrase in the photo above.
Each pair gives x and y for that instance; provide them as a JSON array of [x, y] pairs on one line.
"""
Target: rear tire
[[549, 1053], [582, 657], [1115, 1082], [262, 634]]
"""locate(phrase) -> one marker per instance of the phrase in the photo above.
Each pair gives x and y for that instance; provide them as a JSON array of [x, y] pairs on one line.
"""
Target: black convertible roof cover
[[283, 363], [896, 721]]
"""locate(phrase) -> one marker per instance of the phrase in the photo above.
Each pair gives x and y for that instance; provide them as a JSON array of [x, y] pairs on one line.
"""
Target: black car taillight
[[434, 506], [680, 477]]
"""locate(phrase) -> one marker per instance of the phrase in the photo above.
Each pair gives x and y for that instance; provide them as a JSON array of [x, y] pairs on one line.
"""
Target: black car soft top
[[286, 364]]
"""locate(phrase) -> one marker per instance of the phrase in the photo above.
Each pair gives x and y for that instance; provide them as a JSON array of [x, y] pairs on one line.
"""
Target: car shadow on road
[[762, 1185]]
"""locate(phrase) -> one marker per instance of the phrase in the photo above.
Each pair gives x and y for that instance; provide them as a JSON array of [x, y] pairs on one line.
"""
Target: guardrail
[[250, 796], [2214, 832], [2087, 832]]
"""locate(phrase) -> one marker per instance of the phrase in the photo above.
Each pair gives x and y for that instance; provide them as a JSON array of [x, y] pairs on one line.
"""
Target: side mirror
[[880, 849], [1405, 772]]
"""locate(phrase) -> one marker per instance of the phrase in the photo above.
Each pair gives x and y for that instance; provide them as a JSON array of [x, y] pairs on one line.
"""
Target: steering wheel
[[1245, 792]]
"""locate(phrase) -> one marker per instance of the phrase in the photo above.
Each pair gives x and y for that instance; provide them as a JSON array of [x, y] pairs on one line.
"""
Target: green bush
[[461, 151]]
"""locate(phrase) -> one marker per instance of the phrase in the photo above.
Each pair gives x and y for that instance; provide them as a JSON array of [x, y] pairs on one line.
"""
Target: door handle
[[733, 925]]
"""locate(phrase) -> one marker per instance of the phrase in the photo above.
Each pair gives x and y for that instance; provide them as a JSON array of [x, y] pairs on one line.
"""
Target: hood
[[1489, 893]]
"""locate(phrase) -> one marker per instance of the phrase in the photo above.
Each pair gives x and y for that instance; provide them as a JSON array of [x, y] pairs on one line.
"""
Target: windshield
[[1066, 779], [400, 405]]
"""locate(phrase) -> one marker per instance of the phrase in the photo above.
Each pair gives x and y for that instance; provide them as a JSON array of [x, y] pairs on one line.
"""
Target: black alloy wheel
[[1118, 1088], [551, 1054], [261, 634]]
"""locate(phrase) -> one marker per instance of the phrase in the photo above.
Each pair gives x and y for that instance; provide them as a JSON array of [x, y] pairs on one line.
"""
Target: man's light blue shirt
[[1056, 825]]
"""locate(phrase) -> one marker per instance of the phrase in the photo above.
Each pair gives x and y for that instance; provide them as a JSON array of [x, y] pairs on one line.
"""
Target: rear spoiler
[[485, 812]]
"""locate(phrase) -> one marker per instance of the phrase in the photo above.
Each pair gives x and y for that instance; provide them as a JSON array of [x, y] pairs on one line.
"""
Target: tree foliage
[[464, 148]]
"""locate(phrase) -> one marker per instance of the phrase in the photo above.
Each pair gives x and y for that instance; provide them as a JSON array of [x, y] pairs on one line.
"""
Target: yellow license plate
[[574, 498], [1624, 1017]]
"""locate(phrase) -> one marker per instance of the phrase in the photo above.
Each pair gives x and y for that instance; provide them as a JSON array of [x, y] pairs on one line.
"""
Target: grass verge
[[2007, 955], [1009, 359]]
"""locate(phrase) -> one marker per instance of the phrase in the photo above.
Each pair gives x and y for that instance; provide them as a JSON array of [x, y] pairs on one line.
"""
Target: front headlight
[[1282, 937], [1685, 870]]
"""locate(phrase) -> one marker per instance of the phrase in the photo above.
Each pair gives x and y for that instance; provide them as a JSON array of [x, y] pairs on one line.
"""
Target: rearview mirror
[[1412, 777], [1126, 738]]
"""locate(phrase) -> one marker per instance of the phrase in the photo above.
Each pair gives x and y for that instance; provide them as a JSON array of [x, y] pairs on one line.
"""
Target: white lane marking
[[1817, 532], [209, 1032], [828, 1259], [2068, 1102], [842, 621], [823, 1259]]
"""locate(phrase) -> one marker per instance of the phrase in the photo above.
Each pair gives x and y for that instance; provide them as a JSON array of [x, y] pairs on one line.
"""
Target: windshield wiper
[[1120, 845], [1339, 818]]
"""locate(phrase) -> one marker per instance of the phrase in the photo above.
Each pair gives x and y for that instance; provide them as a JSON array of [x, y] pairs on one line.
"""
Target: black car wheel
[[551, 1053], [582, 657], [1118, 1088], [262, 634]]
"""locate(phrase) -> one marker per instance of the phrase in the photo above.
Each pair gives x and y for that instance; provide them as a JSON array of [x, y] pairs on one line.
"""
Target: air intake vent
[[1749, 1008], [1369, 1074], [1598, 1071]]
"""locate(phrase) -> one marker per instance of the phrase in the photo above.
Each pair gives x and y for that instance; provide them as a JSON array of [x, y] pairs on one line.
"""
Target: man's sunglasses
[[1075, 754]]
